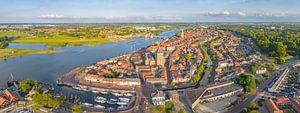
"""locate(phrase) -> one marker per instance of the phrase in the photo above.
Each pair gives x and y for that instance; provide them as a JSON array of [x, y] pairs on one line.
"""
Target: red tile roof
[[10, 96], [2, 100], [272, 107]]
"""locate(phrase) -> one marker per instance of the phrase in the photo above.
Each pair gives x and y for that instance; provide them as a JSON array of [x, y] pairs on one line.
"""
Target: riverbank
[[14, 52]]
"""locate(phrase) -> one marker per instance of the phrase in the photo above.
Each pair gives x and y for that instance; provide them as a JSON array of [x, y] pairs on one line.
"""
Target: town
[[202, 69]]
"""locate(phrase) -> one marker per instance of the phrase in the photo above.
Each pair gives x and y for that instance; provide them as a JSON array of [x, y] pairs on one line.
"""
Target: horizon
[[143, 11]]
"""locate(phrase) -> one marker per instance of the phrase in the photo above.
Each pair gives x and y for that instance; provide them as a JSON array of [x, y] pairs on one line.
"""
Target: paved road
[[264, 85]]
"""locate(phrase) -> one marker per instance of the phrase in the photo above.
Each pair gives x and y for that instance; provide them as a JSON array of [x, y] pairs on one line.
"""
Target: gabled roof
[[2, 100], [10, 96]]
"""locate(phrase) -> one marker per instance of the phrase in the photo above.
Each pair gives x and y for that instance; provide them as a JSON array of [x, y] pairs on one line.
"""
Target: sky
[[139, 11]]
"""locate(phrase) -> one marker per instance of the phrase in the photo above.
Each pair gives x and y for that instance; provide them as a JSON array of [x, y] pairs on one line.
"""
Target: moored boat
[[95, 91], [122, 103], [105, 93], [128, 94], [76, 87], [121, 107], [117, 94], [87, 104], [99, 106], [124, 99]]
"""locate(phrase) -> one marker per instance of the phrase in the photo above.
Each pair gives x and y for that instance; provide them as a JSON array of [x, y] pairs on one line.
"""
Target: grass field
[[64, 41], [13, 52]]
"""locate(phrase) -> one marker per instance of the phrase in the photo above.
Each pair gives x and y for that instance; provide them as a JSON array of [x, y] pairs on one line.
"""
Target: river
[[47, 68]]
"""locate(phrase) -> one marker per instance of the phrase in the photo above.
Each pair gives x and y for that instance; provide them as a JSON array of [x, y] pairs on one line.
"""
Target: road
[[264, 85]]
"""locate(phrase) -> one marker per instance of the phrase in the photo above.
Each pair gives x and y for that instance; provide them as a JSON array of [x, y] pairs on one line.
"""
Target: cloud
[[220, 13], [52, 16], [270, 14], [241, 13]]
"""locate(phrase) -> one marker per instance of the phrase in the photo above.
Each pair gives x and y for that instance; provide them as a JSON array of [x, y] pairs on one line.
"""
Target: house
[[3, 101], [261, 70], [272, 107], [11, 97], [296, 106], [159, 98]]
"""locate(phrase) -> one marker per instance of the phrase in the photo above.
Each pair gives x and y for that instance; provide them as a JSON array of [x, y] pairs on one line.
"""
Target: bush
[[76, 109]]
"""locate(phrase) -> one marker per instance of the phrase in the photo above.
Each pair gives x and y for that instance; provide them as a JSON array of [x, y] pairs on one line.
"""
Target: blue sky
[[88, 11]]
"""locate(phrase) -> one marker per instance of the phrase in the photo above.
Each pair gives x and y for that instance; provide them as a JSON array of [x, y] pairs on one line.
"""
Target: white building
[[159, 99]]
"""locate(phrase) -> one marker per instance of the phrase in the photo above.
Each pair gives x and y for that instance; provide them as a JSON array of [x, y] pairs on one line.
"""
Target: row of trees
[[202, 65]]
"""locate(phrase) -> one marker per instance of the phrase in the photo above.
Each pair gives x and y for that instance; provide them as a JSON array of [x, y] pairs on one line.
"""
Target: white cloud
[[241, 13], [52, 16], [219, 13], [226, 13]]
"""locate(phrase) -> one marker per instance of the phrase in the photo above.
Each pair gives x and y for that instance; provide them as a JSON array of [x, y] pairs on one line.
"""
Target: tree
[[247, 81], [253, 111], [252, 106], [271, 67], [54, 103], [181, 110], [253, 69], [169, 106], [188, 56], [172, 84], [26, 85], [281, 49], [76, 109]]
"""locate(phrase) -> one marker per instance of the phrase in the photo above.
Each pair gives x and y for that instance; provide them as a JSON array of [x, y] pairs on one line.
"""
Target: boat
[[102, 98], [12, 81], [105, 93], [95, 91], [111, 108], [122, 103], [99, 106], [128, 94], [124, 99], [87, 104], [100, 101], [113, 100], [110, 102], [117, 94], [76, 87], [85, 89], [121, 107]]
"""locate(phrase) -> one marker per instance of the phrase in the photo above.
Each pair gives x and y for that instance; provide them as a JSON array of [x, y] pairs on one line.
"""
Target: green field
[[64, 41], [14, 52]]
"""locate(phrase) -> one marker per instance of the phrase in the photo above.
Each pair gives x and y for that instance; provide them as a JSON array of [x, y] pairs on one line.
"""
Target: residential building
[[272, 107], [159, 98]]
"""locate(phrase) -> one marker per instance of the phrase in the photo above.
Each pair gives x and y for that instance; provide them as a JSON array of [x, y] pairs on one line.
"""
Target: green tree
[[252, 106], [247, 81], [54, 103], [76, 109], [253, 69], [281, 49], [271, 67], [172, 84], [181, 110], [188, 56], [26, 85]]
